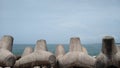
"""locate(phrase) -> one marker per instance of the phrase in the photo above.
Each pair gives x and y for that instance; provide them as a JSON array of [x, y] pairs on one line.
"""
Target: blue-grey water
[[93, 49]]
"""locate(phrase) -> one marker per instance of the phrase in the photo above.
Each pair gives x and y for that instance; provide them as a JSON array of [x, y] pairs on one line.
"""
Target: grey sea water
[[93, 49]]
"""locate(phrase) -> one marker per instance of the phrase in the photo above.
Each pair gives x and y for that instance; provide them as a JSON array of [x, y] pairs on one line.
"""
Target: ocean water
[[93, 49]]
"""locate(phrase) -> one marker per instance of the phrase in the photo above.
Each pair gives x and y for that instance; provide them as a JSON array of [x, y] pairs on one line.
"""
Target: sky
[[57, 21]]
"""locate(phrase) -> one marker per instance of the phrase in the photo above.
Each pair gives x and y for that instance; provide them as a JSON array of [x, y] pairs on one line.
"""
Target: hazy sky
[[58, 20]]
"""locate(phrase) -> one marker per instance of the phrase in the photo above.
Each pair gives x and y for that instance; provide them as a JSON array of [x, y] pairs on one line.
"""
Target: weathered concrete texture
[[7, 59], [76, 57], [75, 44], [108, 46], [6, 42], [37, 67], [7, 67], [119, 48], [110, 54], [60, 51], [27, 51], [35, 59], [41, 45]]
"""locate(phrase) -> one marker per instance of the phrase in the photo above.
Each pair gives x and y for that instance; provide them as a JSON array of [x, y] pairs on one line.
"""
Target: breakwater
[[76, 57]]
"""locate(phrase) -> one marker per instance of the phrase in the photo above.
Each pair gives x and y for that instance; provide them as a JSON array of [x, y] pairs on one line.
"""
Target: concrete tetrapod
[[38, 58], [76, 57], [7, 59], [40, 45], [110, 54], [35, 59]]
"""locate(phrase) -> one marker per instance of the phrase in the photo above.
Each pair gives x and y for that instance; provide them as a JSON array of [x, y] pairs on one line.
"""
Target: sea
[[93, 49]]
